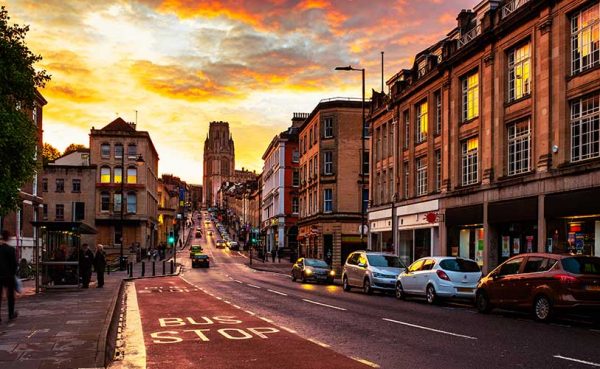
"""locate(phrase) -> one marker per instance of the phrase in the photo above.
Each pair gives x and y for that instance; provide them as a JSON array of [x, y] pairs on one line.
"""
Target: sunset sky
[[184, 63]]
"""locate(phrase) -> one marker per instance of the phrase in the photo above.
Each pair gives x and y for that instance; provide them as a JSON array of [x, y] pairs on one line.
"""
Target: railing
[[469, 36], [343, 99], [511, 6]]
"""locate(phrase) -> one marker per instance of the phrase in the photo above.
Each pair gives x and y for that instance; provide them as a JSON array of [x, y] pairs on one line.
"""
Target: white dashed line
[[577, 360], [429, 329], [277, 292], [288, 329], [249, 312], [265, 319], [326, 305], [253, 286], [218, 298], [236, 306], [318, 343], [227, 302], [366, 362], [240, 282]]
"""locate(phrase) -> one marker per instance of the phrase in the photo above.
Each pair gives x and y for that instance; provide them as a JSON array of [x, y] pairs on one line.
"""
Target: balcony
[[469, 36], [511, 6]]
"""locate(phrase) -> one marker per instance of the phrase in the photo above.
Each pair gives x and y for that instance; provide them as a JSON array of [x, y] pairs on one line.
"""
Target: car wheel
[[367, 287], [345, 284], [482, 302], [400, 291], [293, 277], [303, 278], [542, 308], [430, 295]]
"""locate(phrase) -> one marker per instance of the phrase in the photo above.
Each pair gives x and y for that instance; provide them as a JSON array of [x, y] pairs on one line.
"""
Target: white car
[[439, 277]]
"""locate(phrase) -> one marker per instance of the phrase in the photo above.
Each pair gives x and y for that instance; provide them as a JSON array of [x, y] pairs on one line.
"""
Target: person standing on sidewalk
[[8, 271], [86, 259], [100, 265]]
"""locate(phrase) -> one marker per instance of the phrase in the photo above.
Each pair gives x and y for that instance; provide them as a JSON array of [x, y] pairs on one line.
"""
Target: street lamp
[[138, 162], [362, 153]]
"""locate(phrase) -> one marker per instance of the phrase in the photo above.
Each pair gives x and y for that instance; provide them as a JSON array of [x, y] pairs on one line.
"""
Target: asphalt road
[[383, 332]]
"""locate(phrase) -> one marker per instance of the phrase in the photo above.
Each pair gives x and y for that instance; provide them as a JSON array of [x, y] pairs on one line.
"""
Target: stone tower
[[219, 161]]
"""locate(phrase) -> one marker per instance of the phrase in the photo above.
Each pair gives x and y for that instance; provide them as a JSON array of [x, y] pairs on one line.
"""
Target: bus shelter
[[58, 253]]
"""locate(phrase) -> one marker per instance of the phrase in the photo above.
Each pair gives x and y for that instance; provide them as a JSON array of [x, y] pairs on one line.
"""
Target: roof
[[118, 125]]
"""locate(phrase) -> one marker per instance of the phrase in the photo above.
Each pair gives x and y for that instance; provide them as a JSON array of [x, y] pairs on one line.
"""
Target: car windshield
[[316, 263], [460, 265], [581, 265], [385, 261]]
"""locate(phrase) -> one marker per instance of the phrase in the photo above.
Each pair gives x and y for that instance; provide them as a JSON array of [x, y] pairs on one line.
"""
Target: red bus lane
[[187, 328]]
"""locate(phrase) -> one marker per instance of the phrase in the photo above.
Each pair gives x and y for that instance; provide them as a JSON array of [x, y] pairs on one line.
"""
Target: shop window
[[470, 170], [519, 147], [105, 175], [585, 39], [519, 72], [421, 122], [585, 128], [470, 96], [421, 175]]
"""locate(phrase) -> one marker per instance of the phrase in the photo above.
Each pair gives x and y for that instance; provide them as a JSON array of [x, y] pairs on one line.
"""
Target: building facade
[[218, 162], [125, 158], [332, 169], [496, 137], [168, 202]]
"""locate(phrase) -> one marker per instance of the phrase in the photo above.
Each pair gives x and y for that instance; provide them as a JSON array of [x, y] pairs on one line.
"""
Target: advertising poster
[[516, 245], [505, 246], [479, 255], [549, 245], [529, 243]]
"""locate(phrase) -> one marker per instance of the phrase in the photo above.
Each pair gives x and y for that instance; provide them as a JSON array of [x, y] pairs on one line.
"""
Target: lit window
[[519, 147], [105, 175], [470, 172], [421, 170], [131, 175], [470, 97], [421, 123], [118, 176], [585, 128], [519, 72], [585, 39]]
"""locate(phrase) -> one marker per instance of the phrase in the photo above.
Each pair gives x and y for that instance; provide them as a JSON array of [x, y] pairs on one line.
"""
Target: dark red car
[[542, 283]]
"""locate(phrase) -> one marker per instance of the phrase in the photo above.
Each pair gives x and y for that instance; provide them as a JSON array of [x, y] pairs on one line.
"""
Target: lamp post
[[362, 153], [138, 162]]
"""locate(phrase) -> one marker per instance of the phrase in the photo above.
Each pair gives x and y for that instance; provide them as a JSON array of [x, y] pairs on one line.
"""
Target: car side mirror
[[495, 276], [362, 265]]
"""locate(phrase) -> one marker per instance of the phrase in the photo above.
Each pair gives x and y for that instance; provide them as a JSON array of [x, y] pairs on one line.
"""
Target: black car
[[312, 269], [200, 260]]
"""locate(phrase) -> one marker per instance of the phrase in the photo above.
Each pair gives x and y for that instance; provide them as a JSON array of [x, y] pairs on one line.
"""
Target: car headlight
[[332, 273], [308, 271]]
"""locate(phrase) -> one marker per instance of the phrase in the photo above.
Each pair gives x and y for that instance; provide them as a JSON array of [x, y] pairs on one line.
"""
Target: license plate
[[592, 288], [464, 289]]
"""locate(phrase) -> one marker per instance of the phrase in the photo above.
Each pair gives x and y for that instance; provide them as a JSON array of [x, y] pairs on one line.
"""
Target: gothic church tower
[[219, 161]]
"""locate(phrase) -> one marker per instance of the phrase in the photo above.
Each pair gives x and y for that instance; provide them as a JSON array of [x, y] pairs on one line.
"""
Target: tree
[[73, 147], [18, 135], [50, 153]]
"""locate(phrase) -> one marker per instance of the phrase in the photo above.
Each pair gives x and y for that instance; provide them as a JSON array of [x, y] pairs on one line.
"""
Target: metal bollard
[[143, 268], [164, 265], [153, 268], [172, 266], [130, 270]]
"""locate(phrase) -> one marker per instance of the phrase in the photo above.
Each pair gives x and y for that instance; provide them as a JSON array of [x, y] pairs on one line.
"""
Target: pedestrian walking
[[100, 265], [279, 252], [8, 271], [86, 259], [273, 254]]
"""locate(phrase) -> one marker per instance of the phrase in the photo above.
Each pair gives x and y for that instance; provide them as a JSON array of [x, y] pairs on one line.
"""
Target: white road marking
[[266, 319], [240, 282], [277, 292], [227, 302], [236, 306], [430, 329], [218, 298], [321, 304], [366, 362], [242, 255], [577, 360], [288, 329], [253, 286], [318, 343], [249, 312]]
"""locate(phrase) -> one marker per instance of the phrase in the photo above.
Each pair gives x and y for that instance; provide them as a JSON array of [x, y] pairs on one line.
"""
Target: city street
[[277, 323]]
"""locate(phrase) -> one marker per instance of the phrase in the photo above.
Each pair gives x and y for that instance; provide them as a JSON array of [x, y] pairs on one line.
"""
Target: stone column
[[541, 130]]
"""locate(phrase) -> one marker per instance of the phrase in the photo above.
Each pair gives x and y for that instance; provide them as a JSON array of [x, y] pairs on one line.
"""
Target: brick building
[[331, 166], [495, 137], [168, 203]]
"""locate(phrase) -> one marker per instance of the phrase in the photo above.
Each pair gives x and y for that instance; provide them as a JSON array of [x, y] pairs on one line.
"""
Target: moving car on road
[[542, 283], [233, 245], [200, 260], [220, 244], [371, 271], [312, 269], [439, 277], [194, 249]]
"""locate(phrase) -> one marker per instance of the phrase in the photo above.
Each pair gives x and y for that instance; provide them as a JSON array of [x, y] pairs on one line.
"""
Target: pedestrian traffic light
[[171, 239]]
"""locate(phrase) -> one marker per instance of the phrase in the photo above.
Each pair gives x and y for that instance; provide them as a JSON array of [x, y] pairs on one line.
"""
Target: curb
[[102, 359], [267, 270]]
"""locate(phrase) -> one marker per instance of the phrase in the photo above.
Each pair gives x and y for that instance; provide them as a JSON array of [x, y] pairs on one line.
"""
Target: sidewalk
[[284, 267], [59, 329]]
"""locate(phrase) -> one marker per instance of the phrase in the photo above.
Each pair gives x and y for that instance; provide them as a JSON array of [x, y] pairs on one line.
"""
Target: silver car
[[371, 271]]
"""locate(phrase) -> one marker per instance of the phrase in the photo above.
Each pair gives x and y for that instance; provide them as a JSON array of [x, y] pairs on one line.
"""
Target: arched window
[[131, 203], [131, 175], [104, 201], [118, 177], [104, 175], [118, 151]]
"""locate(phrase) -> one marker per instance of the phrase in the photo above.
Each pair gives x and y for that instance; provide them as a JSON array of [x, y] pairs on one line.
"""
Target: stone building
[[495, 147], [122, 153], [195, 196], [168, 203], [331, 168], [219, 161]]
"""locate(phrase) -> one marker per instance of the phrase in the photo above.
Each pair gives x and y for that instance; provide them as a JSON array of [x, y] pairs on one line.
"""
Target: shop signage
[[431, 217], [516, 245]]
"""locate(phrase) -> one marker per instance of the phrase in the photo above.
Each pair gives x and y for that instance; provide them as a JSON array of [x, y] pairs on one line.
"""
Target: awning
[[78, 227]]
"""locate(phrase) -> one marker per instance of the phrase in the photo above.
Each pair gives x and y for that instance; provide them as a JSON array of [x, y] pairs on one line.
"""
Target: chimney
[[132, 124], [464, 20], [298, 119]]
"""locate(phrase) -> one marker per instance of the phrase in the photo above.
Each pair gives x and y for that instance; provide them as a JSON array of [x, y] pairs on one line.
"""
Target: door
[[423, 276], [360, 270], [409, 277], [502, 291], [350, 267], [532, 277]]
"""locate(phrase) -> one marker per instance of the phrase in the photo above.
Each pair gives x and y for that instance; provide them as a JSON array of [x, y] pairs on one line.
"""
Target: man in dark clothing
[[8, 270], [100, 265], [273, 254], [86, 259]]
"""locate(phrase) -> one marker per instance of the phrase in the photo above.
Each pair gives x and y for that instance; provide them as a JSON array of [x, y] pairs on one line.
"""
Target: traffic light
[[171, 239]]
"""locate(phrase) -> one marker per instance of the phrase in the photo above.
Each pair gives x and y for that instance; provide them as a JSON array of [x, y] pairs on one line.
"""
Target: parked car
[[312, 269], [542, 283], [220, 244], [200, 260], [439, 277], [371, 271], [233, 245]]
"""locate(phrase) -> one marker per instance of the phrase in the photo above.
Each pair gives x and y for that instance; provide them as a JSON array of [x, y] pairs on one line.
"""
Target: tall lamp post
[[138, 162], [362, 153]]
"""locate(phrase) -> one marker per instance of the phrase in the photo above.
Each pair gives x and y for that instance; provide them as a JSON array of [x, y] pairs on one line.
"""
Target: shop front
[[465, 232], [381, 237], [418, 231]]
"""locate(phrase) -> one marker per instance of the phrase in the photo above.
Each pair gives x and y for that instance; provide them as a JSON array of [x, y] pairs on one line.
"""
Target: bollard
[[153, 268], [130, 270], [164, 264], [171, 266], [143, 268]]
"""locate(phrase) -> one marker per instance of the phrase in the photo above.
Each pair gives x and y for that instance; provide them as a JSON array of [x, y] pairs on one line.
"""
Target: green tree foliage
[[50, 153], [73, 147], [18, 135]]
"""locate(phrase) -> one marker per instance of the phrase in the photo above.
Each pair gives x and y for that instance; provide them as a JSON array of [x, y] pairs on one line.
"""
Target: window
[[470, 174], [45, 211], [438, 170], [118, 151], [60, 212], [295, 156], [328, 162], [76, 185], [377, 144], [365, 164], [310, 137], [78, 211], [384, 147], [295, 178], [310, 203], [45, 185], [105, 150], [406, 175], [316, 165], [295, 205], [117, 202], [328, 131], [510, 267], [60, 185], [538, 264], [118, 175], [470, 97], [105, 175], [365, 200], [519, 147], [131, 203], [421, 169], [438, 113], [34, 114], [328, 200], [421, 123], [104, 201], [585, 128], [519, 72], [406, 130], [315, 135], [131, 175], [391, 136], [382, 187], [585, 37], [132, 151]]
